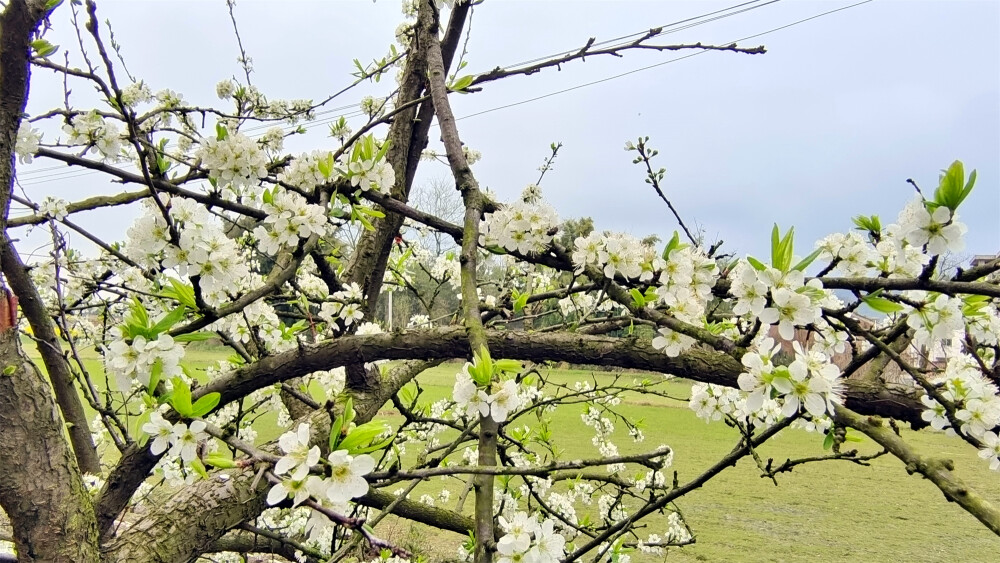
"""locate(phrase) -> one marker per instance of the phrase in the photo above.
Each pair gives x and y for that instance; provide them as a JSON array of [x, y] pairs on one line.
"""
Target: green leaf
[[139, 316], [757, 264], [804, 263], [953, 188], [363, 435], [520, 301], [671, 245], [140, 421], [785, 248], [154, 377], [482, 367], [220, 461], [851, 437], [335, 430], [508, 365], [382, 150], [880, 304], [968, 188], [199, 468], [775, 244], [195, 336], [220, 132], [205, 404], [349, 413], [370, 212], [169, 320], [373, 447], [180, 398], [828, 441], [638, 299], [950, 189], [325, 167], [43, 48], [462, 83]]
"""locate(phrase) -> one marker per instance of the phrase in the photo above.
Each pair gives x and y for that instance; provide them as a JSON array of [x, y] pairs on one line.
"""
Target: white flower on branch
[[235, 162], [347, 473], [54, 207], [299, 458], [940, 230], [99, 133], [27, 142]]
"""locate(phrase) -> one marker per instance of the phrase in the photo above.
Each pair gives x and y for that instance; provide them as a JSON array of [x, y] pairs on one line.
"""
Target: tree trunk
[[40, 486]]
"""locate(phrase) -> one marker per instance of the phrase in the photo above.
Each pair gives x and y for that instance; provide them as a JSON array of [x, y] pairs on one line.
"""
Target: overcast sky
[[828, 124]]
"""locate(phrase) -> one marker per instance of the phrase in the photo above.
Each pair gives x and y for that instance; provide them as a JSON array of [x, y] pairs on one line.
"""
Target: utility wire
[[76, 174], [659, 64], [31, 177]]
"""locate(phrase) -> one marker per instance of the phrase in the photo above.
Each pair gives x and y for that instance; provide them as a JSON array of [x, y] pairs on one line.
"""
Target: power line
[[665, 30], [76, 174], [659, 64], [645, 31]]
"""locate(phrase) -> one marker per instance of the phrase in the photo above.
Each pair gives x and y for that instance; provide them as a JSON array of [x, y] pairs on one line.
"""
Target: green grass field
[[833, 511]]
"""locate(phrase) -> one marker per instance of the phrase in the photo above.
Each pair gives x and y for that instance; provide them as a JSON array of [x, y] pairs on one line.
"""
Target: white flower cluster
[[258, 320], [689, 271], [346, 480], [603, 430], [471, 400], [939, 230], [672, 342], [793, 303], [983, 324], [27, 142], [225, 89], [304, 173], [447, 267], [136, 93], [54, 207], [346, 306], [712, 402], [419, 321], [97, 132], [811, 380], [204, 249], [936, 320], [183, 439], [580, 304], [289, 218], [977, 406], [855, 256], [677, 533], [235, 163], [614, 253], [372, 175], [131, 363], [521, 227], [528, 541], [273, 139]]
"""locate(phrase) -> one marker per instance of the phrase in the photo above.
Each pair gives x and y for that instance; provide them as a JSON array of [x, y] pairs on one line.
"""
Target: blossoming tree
[[283, 258]]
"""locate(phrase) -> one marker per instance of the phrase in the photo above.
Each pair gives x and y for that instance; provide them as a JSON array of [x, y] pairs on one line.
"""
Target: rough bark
[[40, 486]]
